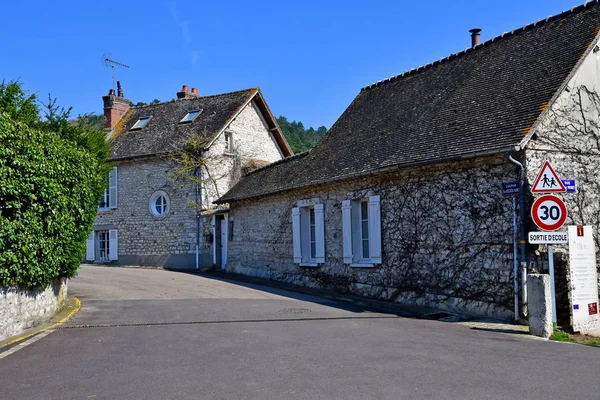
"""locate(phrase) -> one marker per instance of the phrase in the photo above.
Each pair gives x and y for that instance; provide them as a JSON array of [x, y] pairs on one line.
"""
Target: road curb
[[73, 305]]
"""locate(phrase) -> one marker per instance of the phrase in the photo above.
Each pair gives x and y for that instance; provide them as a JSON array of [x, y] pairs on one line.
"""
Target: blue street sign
[[570, 184], [510, 188]]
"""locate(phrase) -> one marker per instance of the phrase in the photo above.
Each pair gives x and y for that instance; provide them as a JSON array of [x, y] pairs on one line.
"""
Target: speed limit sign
[[549, 212]]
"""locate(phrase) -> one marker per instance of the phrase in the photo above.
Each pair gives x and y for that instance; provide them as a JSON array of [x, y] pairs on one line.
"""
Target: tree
[[17, 104], [142, 103], [52, 174], [300, 139], [210, 171]]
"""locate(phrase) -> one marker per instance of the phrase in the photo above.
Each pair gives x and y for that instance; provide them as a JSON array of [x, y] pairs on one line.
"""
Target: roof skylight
[[189, 117], [142, 122]]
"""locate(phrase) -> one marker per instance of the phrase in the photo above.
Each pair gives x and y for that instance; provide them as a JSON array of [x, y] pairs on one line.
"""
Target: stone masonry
[[446, 237], [144, 238], [22, 309], [251, 140]]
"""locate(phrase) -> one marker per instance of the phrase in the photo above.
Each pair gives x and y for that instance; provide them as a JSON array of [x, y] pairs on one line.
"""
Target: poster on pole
[[584, 279]]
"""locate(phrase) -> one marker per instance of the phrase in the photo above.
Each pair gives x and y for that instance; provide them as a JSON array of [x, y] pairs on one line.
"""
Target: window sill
[[104, 209], [309, 264], [228, 153], [361, 265]]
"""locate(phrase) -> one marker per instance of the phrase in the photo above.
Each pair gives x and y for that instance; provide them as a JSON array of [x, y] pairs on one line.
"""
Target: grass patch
[[560, 335]]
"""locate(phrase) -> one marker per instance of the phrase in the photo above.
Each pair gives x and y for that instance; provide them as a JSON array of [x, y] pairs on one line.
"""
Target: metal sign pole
[[552, 289]]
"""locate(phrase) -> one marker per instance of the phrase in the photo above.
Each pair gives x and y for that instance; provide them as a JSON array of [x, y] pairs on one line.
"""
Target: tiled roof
[[164, 133], [481, 100]]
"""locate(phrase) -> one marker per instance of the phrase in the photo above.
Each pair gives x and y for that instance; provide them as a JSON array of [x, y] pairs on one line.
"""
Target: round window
[[159, 204]]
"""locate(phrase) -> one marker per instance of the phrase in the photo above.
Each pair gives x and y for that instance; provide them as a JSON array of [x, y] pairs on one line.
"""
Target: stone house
[[402, 200], [172, 159]]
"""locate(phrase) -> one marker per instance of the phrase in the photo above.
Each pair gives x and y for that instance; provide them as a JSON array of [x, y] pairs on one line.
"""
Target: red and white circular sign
[[549, 212]]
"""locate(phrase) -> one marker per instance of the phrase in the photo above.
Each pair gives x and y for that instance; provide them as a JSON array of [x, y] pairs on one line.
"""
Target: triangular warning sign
[[548, 181]]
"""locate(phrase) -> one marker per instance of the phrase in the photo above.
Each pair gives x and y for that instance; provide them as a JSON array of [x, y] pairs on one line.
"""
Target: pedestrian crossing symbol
[[548, 181]]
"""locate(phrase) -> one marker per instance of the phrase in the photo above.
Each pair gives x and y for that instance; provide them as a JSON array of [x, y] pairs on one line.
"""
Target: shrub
[[51, 178]]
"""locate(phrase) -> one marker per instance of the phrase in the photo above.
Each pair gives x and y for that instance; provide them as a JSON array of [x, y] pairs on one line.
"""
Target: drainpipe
[[198, 174], [523, 241]]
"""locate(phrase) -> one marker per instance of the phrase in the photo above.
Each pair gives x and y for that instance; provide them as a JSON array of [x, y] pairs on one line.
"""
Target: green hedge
[[49, 188]]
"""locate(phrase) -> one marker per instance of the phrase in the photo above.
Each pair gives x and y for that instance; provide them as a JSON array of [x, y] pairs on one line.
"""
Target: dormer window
[[142, 122], [189, 117]]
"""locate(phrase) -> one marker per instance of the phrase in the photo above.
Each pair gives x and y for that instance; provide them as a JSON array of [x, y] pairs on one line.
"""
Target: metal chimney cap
[[475, 30]]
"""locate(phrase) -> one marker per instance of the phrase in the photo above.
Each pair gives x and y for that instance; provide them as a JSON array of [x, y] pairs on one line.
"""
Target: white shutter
[[90, 254], [113, 245], [296, 235], [319, 234], [347, 230], [112, 188], [375, 229]]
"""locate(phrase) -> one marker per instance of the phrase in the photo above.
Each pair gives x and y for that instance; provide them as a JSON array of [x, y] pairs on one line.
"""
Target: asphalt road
[[152, 334]]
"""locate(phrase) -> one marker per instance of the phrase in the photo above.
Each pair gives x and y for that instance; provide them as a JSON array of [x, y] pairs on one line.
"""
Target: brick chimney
[[115, 106], [186, 94]]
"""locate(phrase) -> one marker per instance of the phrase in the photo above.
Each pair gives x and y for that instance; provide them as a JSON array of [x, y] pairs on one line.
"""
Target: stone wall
[[446, 237], [23, 309], [143, 238], [251, 140]]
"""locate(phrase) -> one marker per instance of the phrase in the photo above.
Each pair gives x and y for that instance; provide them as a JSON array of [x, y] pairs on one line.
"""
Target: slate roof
[[164, 133], [479, 101]]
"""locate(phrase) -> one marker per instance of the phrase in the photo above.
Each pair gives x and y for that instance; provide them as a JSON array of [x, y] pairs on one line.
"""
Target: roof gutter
[[119, 159], [381, 170]]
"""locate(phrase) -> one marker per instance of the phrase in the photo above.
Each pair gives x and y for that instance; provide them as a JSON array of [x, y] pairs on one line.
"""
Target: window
[[361, 231], [104, 201], [364, 229], [228, 142], [308, 234], [103, 246], [159, 204], [109, 197], [189, 117], [142, 122], [312, 231]]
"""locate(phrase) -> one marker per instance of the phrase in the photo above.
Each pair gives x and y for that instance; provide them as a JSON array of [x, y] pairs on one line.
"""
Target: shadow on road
[[344, 302]]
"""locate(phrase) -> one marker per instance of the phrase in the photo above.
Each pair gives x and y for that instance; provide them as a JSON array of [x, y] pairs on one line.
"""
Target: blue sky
[[310, 58]]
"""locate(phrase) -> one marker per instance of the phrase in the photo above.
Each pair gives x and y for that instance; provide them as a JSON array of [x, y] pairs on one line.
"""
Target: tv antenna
[[112, 64]]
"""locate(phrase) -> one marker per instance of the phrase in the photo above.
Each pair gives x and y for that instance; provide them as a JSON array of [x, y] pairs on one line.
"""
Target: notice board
[[584, 279]]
